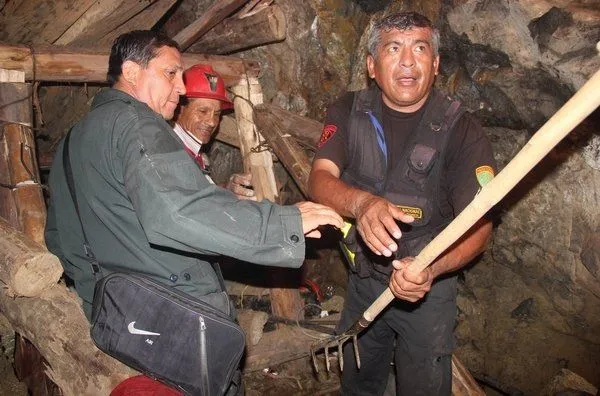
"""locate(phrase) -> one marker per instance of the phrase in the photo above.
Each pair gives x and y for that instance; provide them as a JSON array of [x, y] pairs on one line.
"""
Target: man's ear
[[436, 65], [130, 72], [371, 65]]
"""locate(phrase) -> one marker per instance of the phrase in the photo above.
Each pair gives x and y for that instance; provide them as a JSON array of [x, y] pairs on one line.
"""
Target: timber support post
[[22, 202], [285, 302]]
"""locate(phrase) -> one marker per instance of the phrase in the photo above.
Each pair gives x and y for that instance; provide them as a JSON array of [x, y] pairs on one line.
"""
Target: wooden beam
[[26, 268], [24, 208], [275, 347], [287, 133], [15, 99], [22, 204], [257, 159], [39, 22], [285, 146], [463, 383], [55, 323], [234, 34], [101, 18], [213, 15], [145, 20], [62, 64], [12, 76], [228, 131], [306, 130]]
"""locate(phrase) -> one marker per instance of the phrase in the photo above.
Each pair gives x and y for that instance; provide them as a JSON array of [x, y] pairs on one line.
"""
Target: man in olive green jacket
[[144, 205]]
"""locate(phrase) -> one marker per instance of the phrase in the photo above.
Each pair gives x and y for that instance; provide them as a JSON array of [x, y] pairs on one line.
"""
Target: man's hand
[[314, 215], [241, 185], [406, 284], [376, 223]]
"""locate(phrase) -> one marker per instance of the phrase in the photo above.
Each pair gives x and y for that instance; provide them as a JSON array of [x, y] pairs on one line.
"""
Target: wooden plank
[[257, 160], [145, 20], [26, 268], [284, 145], [39, 22], [283, 345], [53, 63], [26, 212], [24, 177], [306, 130], [15, 102], [55, 323], [100, 19], [234, 34], [219, 10], [12, 76], [463, 383], [26, 209], [228, 131]]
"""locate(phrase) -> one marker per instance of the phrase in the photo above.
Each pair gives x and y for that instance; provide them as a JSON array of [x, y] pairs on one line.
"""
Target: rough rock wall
[[529, 307], [311, 67]]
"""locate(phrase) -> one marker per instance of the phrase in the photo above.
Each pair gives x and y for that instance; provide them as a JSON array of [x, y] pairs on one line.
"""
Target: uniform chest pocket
[[420, 162]]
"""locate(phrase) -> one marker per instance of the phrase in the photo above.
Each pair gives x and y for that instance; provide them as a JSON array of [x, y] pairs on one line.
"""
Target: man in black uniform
[[400, 151]]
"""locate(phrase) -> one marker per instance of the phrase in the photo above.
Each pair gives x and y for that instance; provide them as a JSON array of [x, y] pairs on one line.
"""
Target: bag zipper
[[203, 358]]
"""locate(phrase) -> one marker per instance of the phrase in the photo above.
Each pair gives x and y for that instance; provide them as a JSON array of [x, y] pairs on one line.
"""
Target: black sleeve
[[469, 162], [332, 144]]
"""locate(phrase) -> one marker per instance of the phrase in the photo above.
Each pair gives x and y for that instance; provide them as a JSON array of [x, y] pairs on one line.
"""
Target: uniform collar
[[190, 143], [111, 94]]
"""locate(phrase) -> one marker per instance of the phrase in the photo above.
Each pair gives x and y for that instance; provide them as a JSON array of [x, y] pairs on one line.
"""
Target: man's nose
[[179, 85], [213, 120], [407, 58]]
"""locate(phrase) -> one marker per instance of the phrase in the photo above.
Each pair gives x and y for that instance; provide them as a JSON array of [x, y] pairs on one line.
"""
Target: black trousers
[[417, 336]]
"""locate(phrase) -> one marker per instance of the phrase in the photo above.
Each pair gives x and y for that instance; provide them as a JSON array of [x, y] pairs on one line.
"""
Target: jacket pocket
[[420, 162]]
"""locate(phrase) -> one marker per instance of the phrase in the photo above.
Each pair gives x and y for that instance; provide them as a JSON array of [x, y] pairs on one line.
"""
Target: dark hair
[[139, 46], [402, 21]]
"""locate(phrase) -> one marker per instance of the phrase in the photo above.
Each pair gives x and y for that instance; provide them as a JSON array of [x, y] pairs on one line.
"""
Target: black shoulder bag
[[158, 330]]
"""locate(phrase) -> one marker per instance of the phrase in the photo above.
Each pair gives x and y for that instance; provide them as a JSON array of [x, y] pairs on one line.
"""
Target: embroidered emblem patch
[[328, 132], [417, 213], [212, 81], [484, 174]]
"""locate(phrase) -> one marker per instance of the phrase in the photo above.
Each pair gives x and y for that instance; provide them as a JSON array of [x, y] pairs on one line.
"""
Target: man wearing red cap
[[199, 116]]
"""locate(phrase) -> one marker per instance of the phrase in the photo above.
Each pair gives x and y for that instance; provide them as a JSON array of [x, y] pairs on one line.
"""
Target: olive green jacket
[[146, 207]]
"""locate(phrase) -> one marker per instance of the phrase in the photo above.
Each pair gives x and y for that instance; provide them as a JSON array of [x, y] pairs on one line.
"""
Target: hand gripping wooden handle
[[582, 104]]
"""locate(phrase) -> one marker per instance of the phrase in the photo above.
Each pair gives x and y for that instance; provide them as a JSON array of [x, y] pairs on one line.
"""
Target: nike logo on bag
[[133, 330]]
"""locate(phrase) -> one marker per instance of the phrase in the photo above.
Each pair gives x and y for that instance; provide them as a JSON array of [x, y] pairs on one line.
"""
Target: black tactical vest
[[413, 183]]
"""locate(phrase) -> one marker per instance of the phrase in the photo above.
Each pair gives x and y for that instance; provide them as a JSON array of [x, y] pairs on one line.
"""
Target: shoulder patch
[[328, 132], [484, 174]]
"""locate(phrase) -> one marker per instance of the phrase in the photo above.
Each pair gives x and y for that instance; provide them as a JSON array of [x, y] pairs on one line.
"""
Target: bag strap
[[95, 265]]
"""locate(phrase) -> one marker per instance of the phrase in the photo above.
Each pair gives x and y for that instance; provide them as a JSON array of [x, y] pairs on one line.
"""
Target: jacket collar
[[111, 94]]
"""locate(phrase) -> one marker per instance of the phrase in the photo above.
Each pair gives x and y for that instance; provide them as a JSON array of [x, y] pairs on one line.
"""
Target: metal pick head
[[356, 354], [341, 356], [314, 360]]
